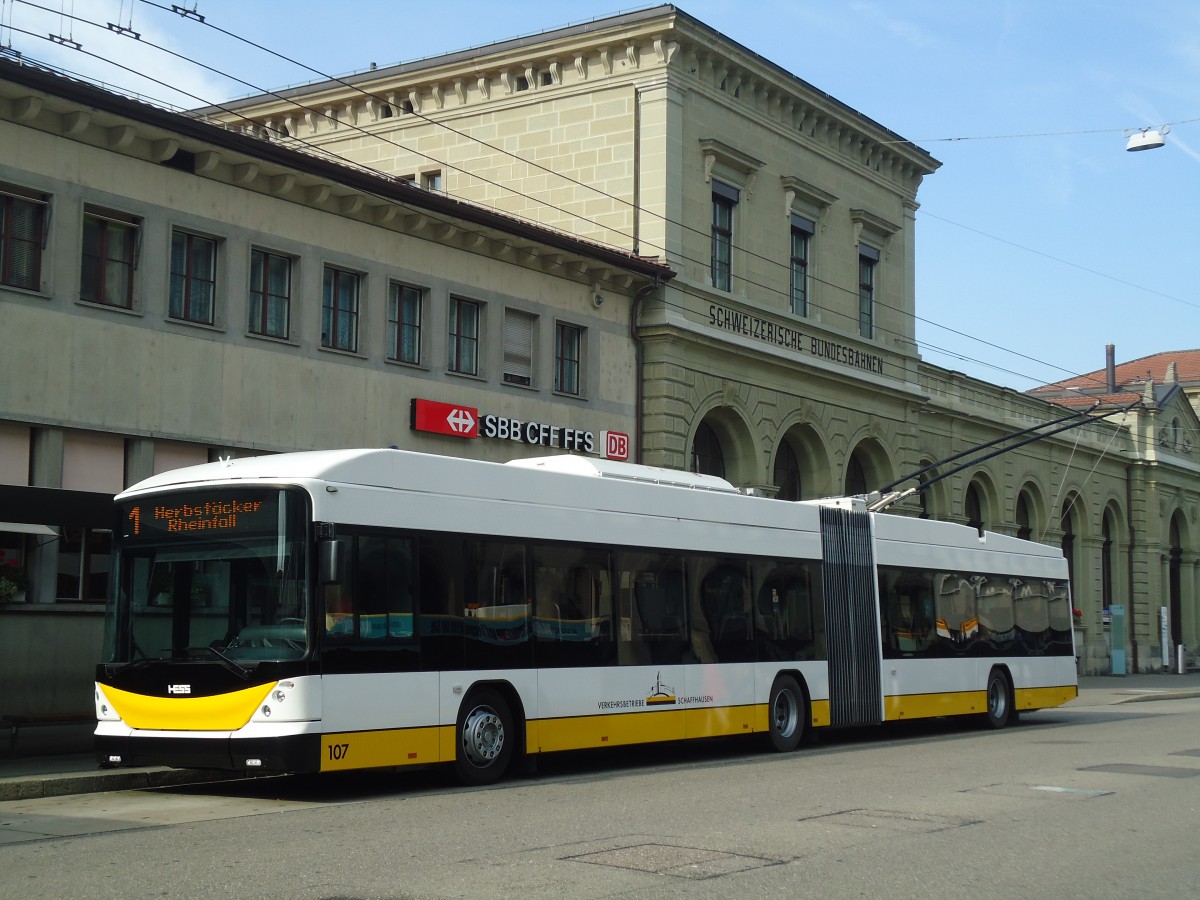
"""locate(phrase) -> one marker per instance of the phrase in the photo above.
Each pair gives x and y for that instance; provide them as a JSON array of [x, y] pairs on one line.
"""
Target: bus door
[[851, 618]]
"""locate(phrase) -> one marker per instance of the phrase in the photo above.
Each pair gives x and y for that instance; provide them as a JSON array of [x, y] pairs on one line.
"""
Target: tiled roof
[[1132, 375]]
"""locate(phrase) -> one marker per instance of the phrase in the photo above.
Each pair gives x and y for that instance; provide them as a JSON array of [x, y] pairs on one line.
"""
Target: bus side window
[[996, 616]]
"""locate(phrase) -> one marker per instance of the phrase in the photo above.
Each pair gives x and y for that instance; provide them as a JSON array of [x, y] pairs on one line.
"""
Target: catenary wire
[[928, 345]]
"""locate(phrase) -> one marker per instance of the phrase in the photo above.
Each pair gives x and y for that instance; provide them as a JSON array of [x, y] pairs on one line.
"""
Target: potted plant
[[12, 583]]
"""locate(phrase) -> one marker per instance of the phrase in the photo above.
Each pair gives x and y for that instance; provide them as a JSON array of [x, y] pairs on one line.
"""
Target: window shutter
[[518, 347]]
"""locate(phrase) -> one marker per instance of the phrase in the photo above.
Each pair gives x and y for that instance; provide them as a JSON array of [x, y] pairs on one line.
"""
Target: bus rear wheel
[[485, 736], [787, 711], [1000, 710]]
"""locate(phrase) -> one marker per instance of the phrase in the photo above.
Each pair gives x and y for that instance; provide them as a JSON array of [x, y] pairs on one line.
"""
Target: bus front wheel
[[787, 711], [485, 736]]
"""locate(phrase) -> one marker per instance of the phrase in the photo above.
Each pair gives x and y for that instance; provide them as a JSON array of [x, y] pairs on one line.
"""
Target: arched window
[[973, 508], [787, 473], [707, 456], [1106, 561], [1024, 527], [856, 477], [1174, 582], [1068, 541]]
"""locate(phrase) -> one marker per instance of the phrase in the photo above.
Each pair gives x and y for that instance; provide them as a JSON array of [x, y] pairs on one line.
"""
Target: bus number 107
[[339, 751]]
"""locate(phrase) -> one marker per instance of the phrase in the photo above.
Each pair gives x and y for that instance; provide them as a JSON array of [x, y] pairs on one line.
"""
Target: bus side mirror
[[329, 562]]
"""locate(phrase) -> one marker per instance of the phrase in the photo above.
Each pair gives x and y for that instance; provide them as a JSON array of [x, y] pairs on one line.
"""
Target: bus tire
[[787, 712], [485, 737], [1000, 711]]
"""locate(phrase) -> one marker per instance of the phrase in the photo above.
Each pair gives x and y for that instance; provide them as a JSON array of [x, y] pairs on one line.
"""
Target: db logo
[[616, 445]]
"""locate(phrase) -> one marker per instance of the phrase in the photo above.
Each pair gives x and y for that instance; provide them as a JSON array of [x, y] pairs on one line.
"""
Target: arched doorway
[[707, 457], [786, 473], [1175, 587], [1067, 523], [975, 507]]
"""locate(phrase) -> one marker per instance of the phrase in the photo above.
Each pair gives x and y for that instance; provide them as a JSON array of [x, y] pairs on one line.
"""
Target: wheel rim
[[482, 736], [997, 699], [785, 714]]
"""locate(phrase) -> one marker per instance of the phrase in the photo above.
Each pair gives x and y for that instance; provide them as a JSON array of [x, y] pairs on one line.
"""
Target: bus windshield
[[210, 574]]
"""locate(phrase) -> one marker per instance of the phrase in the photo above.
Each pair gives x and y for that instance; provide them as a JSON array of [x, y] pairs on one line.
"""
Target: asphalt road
[[1086, 801]]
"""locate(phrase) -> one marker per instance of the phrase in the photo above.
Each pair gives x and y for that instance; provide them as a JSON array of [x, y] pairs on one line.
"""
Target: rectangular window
[[518, 347], [404, 323], [568, 340], [431, 181], [464, 336], [193, 277], [724, 199], [270, 293], [22, 220], [802, 232], [109, 258], [868, 257], [339, 310], [83, 564]]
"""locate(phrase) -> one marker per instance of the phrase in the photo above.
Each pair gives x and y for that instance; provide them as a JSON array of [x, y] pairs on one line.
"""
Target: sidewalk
[[57, 762]]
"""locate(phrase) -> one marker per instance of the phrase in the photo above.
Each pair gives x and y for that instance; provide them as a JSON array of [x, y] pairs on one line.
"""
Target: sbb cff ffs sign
[[445, 418], [461, 421]]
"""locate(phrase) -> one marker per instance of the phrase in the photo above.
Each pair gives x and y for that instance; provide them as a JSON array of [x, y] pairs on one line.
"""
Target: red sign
[[445, 418], [616, 445]]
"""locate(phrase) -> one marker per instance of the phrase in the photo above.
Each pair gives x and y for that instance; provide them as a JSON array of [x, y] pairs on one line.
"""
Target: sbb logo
[[616, 445]]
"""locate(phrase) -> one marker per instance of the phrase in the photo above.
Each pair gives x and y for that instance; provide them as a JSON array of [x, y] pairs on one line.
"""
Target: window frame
[[398, 326], [567, 381], [112, 222], [332, 310], [459, 341], [518, 348], [802, 230], [724, 200], [868, 264], [10, 196], [261, 296], [190, 281]]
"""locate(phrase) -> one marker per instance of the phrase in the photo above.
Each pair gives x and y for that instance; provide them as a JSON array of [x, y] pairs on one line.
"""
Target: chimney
[[1110, 368]]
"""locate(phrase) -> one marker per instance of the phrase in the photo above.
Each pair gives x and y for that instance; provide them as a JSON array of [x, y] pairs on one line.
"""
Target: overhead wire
[[677, 285], [590, 187], [850, 318], [342, 160]]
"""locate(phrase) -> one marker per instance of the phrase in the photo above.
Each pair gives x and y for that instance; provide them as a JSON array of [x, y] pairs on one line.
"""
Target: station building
[[173, 291], [783, 355], [632, 237]]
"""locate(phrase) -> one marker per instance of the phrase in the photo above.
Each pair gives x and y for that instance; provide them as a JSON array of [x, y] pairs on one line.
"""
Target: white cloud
[[91, 45]]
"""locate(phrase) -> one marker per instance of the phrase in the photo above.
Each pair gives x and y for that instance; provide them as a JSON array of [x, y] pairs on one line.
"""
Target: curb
[[1156, 694], [40, 786]]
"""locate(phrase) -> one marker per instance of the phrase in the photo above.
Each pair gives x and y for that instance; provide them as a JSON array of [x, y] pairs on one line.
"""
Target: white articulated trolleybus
[[374, 608]]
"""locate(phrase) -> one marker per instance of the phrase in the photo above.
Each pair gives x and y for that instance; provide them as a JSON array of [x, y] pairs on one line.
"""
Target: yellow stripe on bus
[[961, 703], [1046, 697], [222, 712], [385, 748], [926, 706], [415, 746]]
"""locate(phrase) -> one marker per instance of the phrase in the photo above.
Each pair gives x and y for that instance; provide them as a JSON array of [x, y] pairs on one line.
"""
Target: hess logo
[[179, 688]]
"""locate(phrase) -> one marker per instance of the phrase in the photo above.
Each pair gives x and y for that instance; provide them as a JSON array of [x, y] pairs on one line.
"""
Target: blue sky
[[1039, 241]]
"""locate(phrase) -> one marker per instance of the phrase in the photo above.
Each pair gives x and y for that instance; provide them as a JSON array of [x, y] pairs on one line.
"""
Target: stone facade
[[631, 130], [108, 378]]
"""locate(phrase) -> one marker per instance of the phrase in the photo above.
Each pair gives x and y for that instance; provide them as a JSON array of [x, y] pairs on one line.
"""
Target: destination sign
[[249, 512]]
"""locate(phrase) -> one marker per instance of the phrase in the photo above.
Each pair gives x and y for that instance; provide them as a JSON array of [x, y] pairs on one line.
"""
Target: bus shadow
[[348, 787]]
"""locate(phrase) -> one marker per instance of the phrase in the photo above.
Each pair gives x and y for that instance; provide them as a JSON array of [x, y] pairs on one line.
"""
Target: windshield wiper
[[239, 670]]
